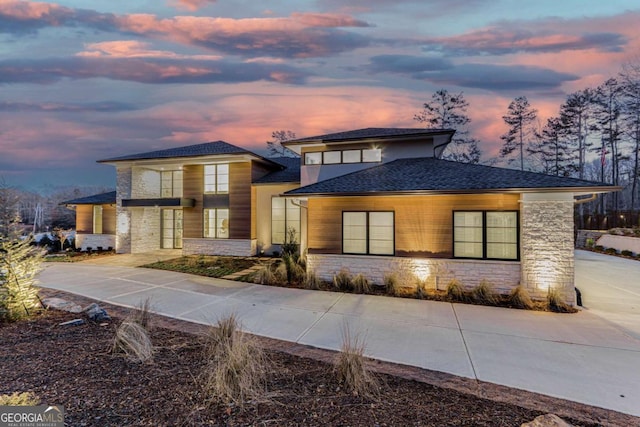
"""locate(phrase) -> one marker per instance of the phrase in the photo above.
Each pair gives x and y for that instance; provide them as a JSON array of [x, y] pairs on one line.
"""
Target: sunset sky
[[86, 80]]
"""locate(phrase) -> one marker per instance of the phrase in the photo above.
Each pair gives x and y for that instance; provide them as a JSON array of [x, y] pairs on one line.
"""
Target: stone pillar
[[123, 216], [546, 244]]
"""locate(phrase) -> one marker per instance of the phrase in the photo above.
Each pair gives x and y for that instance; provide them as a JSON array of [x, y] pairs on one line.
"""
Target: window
[[313, 158], [351, 156], [171, 184], [372, 155], [97, 219], [216, 178], [368, 233], [216, 223], [285, 215], [485, 235], [331, 157], [346, 156]]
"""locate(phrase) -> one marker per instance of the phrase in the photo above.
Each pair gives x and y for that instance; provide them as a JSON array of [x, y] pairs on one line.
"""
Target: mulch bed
[[73, 366]]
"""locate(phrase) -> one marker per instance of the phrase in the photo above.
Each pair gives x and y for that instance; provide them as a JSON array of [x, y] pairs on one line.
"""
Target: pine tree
[[520, 116], [576, 115], [19, 266], [552, 149], [630, 77]]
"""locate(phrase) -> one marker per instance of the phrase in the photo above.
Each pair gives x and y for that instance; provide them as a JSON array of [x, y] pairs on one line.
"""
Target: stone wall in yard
[[583, 235], [93, 241], [503, 275], [230, 247], [620, 243]]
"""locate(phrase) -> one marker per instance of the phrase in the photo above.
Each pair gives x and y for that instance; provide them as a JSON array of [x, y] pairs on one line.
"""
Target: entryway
[[171, 229]]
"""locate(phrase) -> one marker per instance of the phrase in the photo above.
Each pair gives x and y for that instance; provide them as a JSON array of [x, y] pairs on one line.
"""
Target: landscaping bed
[[205, 265], [73, 256], [74, 367]]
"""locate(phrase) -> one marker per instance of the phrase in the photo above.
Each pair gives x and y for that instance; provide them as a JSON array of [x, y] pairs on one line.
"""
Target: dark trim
[[161, 202], [603, 189], [484, 235], [393, 213], [215, 201]]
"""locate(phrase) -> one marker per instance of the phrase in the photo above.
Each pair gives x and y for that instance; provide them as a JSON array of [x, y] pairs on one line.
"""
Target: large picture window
[[368, 233], [285, 215], [216, 223], [171, 184], [216, 179], [485, 234]]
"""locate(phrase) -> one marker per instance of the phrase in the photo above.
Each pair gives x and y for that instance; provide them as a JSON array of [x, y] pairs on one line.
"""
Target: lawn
[[205, 265]]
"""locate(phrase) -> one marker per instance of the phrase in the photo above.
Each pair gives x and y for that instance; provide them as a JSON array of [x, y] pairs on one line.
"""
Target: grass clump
[[311, 281], [142, 315], [342, 280], [236, 367], [556, 303], [350, 367], [456, 292], [19, 399], [484, 294], [360, 284], [293, 270], [133, 340], [421, 288], [519, 298], [265, 276], [391, 284]]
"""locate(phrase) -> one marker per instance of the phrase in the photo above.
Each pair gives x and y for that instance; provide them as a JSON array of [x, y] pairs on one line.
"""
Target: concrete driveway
[[590, 357]]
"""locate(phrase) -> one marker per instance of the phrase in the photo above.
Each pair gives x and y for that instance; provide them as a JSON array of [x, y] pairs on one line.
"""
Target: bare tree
[[520, 117], [449, 111], [552, 149], [275, 147], [576, 115], [630, 77]]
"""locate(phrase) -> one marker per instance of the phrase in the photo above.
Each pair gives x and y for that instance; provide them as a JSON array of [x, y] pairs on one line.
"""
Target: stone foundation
[[230, 247], [93, 241], [503, 275]]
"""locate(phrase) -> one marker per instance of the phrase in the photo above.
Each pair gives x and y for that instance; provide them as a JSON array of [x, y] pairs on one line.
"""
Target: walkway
[[581, 357]]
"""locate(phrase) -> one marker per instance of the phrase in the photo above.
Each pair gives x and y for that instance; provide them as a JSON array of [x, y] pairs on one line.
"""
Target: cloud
[[191, 4], [406, 64], [148, 70], [135, 49], [55, 107], [499, 77]]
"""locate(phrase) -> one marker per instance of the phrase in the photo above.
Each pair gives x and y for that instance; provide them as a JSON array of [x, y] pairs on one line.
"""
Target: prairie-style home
[[373, 201]]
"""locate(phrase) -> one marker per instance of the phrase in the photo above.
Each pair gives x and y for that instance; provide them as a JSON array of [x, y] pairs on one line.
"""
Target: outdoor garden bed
[[205, 265]]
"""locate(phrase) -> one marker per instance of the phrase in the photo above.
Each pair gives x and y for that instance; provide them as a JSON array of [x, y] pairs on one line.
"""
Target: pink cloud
[[191, 5], [135, 49], [49, 12]]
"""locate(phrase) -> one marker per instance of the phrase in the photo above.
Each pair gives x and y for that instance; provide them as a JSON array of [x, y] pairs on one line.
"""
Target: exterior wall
[[105, 241], [123, 215], [230, 247], [262, 207], [546, 244], [504, 275], [193, 181], [424, 224], [145, 183], [240, 200], [146, 231], [84, 219], [109, 220]]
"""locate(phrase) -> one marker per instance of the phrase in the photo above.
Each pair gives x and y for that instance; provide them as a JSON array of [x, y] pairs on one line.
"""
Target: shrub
[[484, 294], [556, 303], [311, 281], [391, 284], [598, 248], [294, 271], [265, 276], [626, 252], [236, 367], [455, 291], [361, 284], [133, 340], [19, 399], [281, 274], [589, 242], [611, 251], [19, 265], [290, 246], [519, 298], [421, 288], [342, 280], [350, 367]]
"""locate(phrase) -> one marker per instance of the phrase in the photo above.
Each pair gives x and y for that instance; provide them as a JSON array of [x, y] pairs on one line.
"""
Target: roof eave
[[409, 136]]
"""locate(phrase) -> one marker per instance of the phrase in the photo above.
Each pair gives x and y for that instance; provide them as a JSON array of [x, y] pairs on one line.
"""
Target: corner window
[[97, 219], [216, 178], [285, 215], [171, 184], [485, 235], [368, 233], [216, 223]]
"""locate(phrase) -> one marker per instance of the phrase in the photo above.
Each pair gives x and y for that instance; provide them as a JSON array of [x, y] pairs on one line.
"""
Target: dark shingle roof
[[96, 199], [370, 133], [206, 149], [435, 175], [290, 173]]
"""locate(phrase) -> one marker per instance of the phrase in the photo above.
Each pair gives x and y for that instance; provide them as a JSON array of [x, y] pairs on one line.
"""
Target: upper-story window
[[334, 157], [216, 178], [171, 184]]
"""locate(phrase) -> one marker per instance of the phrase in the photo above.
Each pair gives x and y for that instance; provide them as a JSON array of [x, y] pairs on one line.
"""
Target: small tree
[[275, 147], [520, 115], [19, 265]]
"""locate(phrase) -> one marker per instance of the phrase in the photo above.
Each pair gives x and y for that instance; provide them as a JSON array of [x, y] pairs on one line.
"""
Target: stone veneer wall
[[84, 241], [145, 235], [546, 244], [583, 235], [123, 216], [231, 247], [504, 275]]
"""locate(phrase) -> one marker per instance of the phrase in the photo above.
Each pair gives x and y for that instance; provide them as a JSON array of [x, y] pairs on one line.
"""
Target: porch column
[[546, 244], [123, 215]]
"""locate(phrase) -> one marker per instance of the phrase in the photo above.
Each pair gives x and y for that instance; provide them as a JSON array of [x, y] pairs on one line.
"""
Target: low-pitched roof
[[429, 175], [370, 133], [289, 173], [95, 199], [198, 150]]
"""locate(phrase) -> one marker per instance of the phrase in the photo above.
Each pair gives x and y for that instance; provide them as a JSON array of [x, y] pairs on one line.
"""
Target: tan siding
[[108, 219], [84, 219], [254, 215], [193, 188], [240, 200], [423, 224]]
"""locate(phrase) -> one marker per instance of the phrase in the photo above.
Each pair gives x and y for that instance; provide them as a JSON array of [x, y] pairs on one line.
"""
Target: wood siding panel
[[84, 219], [193, 188], [108, 219], [423, 224], [240, 200]]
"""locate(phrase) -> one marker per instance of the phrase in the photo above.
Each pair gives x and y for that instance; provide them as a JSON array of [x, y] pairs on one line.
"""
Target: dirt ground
[[73, 366]]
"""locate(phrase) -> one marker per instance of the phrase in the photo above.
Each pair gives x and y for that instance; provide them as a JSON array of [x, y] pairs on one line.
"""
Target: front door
[[171, 229]]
